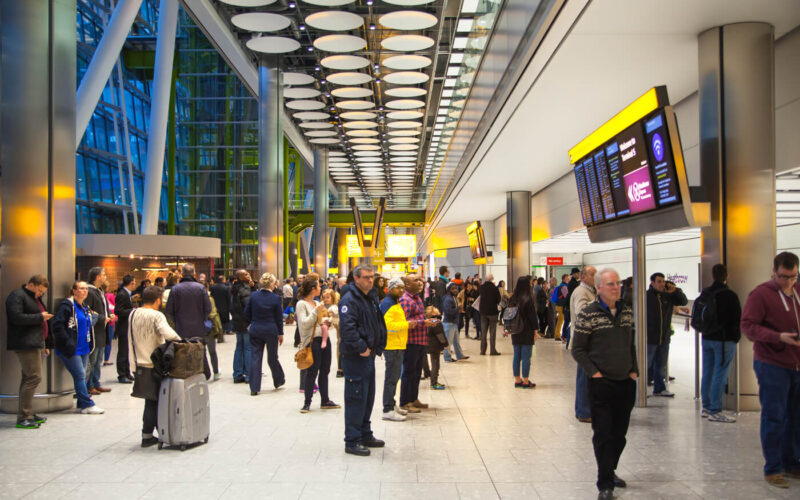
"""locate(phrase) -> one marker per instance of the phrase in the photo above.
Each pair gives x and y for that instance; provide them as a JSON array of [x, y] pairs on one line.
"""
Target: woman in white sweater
[[147, 329], [308, 313]]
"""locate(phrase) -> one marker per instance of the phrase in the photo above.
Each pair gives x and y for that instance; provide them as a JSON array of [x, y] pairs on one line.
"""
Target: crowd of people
[[413, 324]]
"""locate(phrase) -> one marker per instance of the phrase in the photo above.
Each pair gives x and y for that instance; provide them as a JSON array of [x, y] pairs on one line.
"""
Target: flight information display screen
[[631, 174]]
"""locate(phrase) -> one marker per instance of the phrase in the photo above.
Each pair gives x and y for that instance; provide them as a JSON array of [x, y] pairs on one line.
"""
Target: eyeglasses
[[790, 277]]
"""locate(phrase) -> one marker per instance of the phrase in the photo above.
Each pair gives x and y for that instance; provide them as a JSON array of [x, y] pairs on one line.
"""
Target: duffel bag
[[188, 359]]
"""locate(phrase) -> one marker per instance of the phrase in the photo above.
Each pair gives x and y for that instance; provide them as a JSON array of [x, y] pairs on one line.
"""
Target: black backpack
[[512, 320], [705, 317]]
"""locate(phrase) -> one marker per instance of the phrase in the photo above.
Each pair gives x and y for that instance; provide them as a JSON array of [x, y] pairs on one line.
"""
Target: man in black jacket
[[661, 300], [96, 301], [489, 308], [123, 305], [221, 293], [604, 346], [29, 338], [574, 282], [363, 336], [188, 305], [240, 292], [440, 287]]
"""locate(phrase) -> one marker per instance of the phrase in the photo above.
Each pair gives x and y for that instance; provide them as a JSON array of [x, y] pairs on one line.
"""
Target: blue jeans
[[394, 367], [76, 366], [522, 358], [779, 394], [717, 357], [95, 363], [359, 397], [582, 409], [241, 356], [657, 362], [451, 332]]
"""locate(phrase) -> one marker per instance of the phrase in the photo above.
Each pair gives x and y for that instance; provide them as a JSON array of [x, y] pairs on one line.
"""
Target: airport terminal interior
[[444, 145]]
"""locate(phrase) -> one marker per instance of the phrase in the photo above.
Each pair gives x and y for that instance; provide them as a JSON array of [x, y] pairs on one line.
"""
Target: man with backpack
[[716, 315], [559, 297]]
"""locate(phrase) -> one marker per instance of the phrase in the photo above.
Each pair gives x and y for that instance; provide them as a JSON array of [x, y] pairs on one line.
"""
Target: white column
[[99, 70], [159, 113]]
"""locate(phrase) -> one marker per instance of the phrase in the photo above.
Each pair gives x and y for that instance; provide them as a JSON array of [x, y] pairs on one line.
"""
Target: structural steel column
[[341, 252], [37, 128], [518, 231], [321, 211], [737, 166], [270, 168], [640, 281], [99, 69], [159, 114]]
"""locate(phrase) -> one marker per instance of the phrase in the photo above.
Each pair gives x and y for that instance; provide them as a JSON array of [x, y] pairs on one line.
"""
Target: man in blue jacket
[[363, 335], [189, 305]]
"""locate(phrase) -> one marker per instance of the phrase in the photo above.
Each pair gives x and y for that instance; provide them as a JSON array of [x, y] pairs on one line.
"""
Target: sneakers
[[92, 410], [585, 420], [305, 409], [463, 358], [437, 387], [254, 393], [329, 405], [400, 411], [124, 380], [279, 385], [149, 441], [393, 416], [776, 480], [721, 417], [28, 423], [410, 409], [705, 413], [39, 420], [664, 394], [217, 376], [418, 404]]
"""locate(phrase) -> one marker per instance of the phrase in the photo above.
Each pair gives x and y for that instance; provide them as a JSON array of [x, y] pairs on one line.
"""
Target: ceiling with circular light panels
[[373, 81]]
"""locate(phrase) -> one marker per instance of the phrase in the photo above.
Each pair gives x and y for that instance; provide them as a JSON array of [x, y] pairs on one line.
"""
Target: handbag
[[146, 381], [189, 358], [304, 357]]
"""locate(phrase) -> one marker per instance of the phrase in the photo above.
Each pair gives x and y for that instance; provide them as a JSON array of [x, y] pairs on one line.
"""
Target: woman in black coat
[[524, 340], [265, 315]]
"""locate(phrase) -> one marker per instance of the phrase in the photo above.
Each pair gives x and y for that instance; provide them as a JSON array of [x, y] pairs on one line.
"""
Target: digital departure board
[[632, 173]]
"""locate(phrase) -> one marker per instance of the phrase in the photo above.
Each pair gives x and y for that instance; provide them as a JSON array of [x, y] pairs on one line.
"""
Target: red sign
[[555, 261]]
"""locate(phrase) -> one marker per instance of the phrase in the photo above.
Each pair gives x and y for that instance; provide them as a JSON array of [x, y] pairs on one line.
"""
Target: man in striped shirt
[[418, 325]]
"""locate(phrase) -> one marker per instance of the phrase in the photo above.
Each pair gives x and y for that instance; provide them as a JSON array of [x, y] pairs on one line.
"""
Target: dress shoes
[[103, 389], [357, 449], [373, 442], [605, 495], [124, 380], [619, 482], [418, 404], [94, 392]]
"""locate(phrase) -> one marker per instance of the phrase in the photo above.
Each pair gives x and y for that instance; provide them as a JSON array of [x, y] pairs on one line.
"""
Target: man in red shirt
[[418, 325], [771, 319]]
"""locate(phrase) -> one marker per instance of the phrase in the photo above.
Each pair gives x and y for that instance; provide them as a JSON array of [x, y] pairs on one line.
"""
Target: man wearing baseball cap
[[396, 338]]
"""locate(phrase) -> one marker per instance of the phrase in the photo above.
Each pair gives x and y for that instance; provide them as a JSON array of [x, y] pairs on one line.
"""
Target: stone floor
[[481, 439]]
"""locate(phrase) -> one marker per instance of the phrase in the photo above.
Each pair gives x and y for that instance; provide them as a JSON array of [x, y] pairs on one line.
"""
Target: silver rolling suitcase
[[184, 411]]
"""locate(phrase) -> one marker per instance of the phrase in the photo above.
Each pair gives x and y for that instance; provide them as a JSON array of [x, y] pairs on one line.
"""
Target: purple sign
[[639, 189]]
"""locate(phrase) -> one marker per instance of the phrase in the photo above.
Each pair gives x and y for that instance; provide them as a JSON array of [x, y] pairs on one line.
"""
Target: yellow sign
[[353, 248], [440, 253], [401, 245]]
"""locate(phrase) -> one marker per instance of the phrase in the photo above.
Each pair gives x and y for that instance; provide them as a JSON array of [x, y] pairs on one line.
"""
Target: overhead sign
[[353, 248], [555, 261], [477, 243], [401, 245]]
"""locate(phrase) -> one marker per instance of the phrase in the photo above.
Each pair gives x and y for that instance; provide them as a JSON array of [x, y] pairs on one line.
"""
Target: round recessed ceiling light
[[272, 44], [340, 43], [368, 153], [305, 105], [406, 92], [405, 104], [301, 93], [356, 105], [406, 62], [316, 125], [404, 133], [407, 20], [260, 21], [404, 140], [365, 140], [345, 62], [407, 43], [335, 20], [366, 147], [297, 79], [248, 3], [311, 115], [324, 141], [351, 92], [404, 147], [321, 133], [358, 115], [349, 78], [404, 115], [406, 77], [403, 124], [360, 124], [362, 133]]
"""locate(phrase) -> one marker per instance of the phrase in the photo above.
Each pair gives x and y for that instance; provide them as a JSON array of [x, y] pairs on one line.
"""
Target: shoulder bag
[[304, 357], [146, 382]]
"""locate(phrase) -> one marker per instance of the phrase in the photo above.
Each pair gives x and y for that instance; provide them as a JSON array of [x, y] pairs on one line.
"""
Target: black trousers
[[541, 314], [150, 416], [123, 365], [611, 402], [412, 369], [257, 345], [321, 367]]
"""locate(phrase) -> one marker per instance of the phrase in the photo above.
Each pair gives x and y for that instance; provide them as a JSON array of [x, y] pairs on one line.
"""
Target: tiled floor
[[481, 439]]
